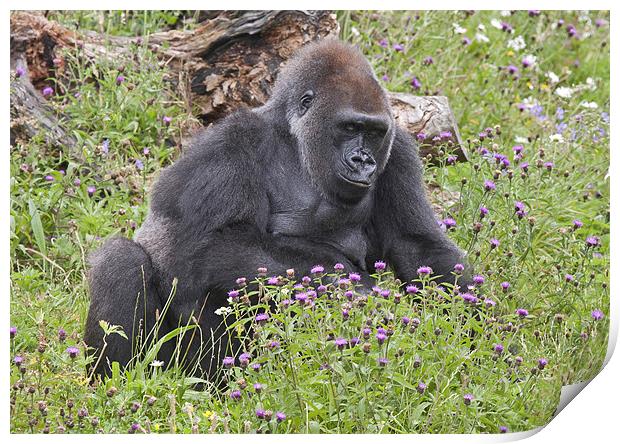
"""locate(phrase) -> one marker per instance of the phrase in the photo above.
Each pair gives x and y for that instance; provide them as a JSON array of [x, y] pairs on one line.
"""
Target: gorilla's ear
[[305, 101]]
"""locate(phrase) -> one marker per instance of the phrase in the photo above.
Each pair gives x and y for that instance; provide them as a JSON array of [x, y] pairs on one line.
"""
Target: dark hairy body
[[320, 174]]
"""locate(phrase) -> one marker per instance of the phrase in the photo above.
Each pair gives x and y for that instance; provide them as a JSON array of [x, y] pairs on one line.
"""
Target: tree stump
[[230, 60]]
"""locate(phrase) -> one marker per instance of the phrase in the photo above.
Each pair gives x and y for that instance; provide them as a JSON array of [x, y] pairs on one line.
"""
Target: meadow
[[530, 91]]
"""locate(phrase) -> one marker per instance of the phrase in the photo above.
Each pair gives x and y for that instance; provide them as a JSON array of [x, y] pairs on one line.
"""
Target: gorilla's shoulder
[[240, 133], [217, 175]]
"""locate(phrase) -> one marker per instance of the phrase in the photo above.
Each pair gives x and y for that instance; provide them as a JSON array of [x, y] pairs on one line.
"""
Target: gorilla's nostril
[[356, 158]]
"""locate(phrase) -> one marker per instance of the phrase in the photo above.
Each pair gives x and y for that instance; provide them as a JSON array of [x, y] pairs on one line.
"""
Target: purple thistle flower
[[412, 289], [498, 348], [354, 341], [490, 303], [524, 166], [424, 270], [260, 414], [139, 165], [449, 222], [273, 280], [428, 61], [273, 345], [542, 363], [597, 315], [548, 166], [355, 277], [134, 427], [73, 352], [599, 22], [77, 182], [341, 343], [382, 362], [47, 91], [466, 41], [421, 387], [167, 120], [468, 398], [105, 146], [420, 136], [261, 318], [519, 206], [49, 178], [228, 361], [381, 337], [338, 267], [458, 268], [415, 83], [416, 321], [91, 190], [405, 320], [256, 367], [280, 417], [592, 241], [518, 149], [569, 277], [235, 395], [19, 71], [119, 79], [522, 312], [385, 78], [577, 224], [146, 151], [503, 429], [494, 243], [469, 298], [445, 134], [478, 279], [13, 332], [62, 334], [233, 294], [451, 160], [366, 332], [507, 27], [398, 47], [483, 212], [383, 43], [380, 265], [244, 359], [505, 286], [258, 387], [18, 360], [512, 69], [317, 269], [385, 294], [489, 185], [344, 283]]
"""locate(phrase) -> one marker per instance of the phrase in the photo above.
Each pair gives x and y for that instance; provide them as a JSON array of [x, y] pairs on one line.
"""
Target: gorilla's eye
[[305, 101]]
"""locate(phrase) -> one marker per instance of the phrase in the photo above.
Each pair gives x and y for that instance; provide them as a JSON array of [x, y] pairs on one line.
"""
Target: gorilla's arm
[[215, 197], [403, 223]]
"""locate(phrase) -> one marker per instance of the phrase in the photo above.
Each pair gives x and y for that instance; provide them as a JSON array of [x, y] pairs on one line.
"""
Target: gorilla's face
[[345, 135]]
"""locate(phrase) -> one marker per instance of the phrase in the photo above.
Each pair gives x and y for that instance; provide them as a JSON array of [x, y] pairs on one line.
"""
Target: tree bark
[[230, 60]]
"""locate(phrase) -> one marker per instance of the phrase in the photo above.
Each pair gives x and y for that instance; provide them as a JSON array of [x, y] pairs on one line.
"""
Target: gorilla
[[320, 174]]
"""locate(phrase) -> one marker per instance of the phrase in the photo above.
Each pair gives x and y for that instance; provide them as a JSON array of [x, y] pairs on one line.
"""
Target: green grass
[[56, 221]]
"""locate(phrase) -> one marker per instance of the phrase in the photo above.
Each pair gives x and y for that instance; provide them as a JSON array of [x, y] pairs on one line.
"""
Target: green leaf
[[37, 227]]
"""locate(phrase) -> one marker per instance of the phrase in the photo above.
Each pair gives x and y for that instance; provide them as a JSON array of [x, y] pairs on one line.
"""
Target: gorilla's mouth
[[357, 183]]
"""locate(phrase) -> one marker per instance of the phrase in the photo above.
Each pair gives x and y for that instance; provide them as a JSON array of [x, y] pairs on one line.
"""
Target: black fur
[[318, 175]]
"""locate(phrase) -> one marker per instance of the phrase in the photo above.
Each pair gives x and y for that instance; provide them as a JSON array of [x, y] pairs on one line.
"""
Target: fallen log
[[228, 61]]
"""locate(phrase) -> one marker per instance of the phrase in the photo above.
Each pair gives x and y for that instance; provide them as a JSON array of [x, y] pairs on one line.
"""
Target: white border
[[592, 417]]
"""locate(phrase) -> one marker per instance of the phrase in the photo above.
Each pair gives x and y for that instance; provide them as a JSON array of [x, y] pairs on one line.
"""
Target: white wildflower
[[556, 138], [481, 27], [521, 139], [553, 77], [480, 37], [157, 363], [355, 31], [590, 84], [222, 311], [496, 24], [529, 60], [518, 43], [458, 29], [504, 13], [564, 91], [589, 105]]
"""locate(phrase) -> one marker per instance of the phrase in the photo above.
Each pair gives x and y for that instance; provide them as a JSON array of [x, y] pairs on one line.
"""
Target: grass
[[61, 209]]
